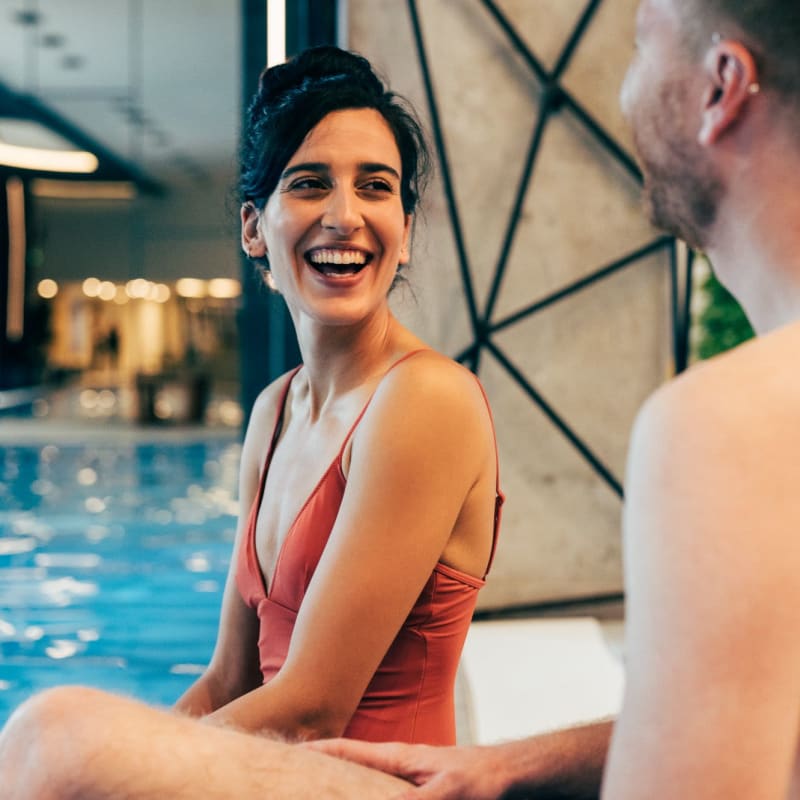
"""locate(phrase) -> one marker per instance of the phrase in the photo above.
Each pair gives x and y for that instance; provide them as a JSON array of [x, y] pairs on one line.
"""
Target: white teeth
[[330, 256]]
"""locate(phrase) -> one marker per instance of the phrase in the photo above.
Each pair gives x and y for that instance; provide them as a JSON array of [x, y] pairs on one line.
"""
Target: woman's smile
[[337, 263]]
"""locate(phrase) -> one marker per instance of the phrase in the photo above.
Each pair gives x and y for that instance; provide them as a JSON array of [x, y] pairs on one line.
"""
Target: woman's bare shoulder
[[442, 389], [429, 370]]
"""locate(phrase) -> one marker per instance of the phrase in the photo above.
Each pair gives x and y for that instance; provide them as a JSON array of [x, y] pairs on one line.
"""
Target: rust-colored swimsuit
[[410, 697]]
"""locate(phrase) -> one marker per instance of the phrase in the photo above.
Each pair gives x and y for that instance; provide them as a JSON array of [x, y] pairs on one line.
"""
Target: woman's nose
[[342, 213]]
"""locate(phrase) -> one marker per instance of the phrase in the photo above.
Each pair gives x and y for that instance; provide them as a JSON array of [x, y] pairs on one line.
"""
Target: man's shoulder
[[737, 405], [754, 380]]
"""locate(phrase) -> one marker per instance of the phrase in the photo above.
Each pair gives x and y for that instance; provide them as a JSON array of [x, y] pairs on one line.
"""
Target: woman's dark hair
[[293, 97]]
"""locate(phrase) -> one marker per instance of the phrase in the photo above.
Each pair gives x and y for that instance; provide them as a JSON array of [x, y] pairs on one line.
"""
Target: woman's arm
[[234, 668], [424, 442]]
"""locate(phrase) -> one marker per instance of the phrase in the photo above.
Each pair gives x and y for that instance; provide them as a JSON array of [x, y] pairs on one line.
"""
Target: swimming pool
[[113, 559]]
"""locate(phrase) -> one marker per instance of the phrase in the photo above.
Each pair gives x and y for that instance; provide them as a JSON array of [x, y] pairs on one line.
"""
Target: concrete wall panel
[[595, 355]]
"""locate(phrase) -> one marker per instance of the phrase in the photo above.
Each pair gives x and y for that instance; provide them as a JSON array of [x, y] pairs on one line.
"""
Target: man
[[713, 563], [712, 519]]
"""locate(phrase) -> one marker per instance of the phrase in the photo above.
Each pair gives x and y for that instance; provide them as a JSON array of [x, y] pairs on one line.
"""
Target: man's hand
[[438, 773], [565, 763]]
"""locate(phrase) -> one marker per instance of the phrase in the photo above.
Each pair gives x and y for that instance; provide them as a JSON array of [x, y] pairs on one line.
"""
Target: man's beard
[[682, 191], [682, 198]]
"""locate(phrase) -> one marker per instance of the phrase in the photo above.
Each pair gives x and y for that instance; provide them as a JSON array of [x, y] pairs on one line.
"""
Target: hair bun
[[316, 64]]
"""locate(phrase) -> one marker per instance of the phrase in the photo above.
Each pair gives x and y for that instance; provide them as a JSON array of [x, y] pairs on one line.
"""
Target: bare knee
[[43, 745]]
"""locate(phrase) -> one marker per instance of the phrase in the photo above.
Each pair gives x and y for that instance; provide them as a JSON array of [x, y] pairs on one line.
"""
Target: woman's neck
[[337, 359]]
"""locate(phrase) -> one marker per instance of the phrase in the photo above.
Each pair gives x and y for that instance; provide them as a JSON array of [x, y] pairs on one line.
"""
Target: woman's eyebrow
[[372, 166], [320, 167], [309, 166]]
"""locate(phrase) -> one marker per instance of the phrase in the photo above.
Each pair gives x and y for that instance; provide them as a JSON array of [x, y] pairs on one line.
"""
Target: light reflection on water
[[112, 565]]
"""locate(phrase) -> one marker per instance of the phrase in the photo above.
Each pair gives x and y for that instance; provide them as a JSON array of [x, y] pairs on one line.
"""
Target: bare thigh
[[95, 746]]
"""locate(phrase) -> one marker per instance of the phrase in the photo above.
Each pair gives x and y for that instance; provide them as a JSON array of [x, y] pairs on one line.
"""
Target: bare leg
[[83, 744]]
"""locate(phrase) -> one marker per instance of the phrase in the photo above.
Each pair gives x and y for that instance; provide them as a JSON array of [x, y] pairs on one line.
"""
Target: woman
[[370, 472]]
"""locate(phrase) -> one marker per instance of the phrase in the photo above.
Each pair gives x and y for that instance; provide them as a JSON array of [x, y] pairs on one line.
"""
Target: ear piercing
[[753, 88]]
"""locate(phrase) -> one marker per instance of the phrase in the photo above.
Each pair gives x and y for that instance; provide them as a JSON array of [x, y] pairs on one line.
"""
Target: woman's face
[[334, 229]]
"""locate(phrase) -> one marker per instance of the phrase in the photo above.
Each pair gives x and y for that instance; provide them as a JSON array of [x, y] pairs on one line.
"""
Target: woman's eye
[[377, 185], [309, 182]]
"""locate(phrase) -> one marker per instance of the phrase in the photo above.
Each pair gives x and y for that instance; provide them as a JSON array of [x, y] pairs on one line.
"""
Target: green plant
[[721, 324]]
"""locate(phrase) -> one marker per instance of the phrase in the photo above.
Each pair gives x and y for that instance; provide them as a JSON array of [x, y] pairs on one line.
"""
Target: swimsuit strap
[[276, 429], [366, 405], [499, 496]]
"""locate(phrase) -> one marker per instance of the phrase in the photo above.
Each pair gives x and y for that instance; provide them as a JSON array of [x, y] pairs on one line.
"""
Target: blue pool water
[[113, 558]]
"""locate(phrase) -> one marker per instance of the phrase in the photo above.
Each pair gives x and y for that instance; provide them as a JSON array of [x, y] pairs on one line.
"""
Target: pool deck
[[21, 430]]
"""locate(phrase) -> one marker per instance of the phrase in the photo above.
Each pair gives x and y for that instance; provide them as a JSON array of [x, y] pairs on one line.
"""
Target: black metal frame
[[554, 99], [268, 344]]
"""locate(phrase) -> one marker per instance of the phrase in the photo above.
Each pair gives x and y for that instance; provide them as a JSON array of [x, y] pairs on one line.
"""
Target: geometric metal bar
[[469, 355], [682, 362], [596, 463], [602, 135], [446, 175], [546, 78], [677, 322], [582, 283], [681, 295], [574, 39], [516, 211], [515, 39]]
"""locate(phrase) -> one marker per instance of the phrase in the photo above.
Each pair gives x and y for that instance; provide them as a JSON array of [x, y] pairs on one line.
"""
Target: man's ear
[[253, 242], [732, 80]]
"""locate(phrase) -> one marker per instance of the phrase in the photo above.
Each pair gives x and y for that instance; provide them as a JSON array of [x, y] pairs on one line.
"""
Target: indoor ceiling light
[[25, 144], [83, 190], [37, 140]]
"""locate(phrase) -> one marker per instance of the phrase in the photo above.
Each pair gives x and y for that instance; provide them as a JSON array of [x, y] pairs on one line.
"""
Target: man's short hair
[[770, 29]]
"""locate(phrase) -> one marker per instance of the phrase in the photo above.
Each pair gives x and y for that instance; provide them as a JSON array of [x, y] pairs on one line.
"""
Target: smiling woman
[[370, 472], [353, 584]]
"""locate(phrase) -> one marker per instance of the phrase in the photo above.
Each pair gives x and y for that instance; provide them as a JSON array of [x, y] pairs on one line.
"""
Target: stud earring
[[753, 88]]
